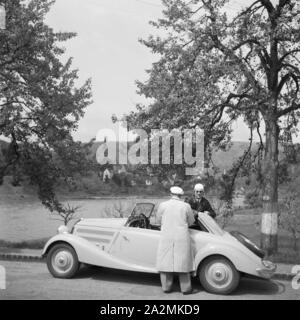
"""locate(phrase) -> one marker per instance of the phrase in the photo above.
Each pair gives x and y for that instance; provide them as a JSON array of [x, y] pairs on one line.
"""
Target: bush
[[122, 179], [119, 209], [253, 199], [29, 244], [224, 212]]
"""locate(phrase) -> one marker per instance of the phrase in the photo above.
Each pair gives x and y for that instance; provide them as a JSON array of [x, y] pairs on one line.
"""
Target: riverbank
[[105, 191]]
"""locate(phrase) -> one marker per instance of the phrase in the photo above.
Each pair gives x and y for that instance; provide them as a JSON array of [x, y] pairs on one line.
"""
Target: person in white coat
[[175, 253]]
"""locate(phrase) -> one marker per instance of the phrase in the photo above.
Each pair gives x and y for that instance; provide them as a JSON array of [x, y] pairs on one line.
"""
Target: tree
[[40, 104], [215, 68], [67, 215]]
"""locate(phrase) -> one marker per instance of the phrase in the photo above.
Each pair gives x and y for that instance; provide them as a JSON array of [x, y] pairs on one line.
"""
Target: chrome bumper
[[268, 269]]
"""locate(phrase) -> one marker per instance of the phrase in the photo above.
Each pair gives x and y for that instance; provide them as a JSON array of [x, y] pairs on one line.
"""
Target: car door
[[137, 246]]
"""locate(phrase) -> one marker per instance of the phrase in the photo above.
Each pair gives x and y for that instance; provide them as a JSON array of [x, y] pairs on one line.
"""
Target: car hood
[[103, 222]]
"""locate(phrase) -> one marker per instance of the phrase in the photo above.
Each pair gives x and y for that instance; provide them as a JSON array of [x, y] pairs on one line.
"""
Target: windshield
[[143, 208]]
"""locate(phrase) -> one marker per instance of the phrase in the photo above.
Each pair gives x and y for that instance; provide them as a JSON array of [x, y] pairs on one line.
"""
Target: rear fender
[[246, 263]]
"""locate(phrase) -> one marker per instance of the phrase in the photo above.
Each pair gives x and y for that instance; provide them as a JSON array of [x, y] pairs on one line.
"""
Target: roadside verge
[[29, 255]]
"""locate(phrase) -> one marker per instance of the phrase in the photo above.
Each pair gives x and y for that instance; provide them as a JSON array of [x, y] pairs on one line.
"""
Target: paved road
[[31, 280]]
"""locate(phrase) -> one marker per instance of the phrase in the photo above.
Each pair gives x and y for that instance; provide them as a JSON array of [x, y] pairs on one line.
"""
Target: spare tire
[[248, 243]]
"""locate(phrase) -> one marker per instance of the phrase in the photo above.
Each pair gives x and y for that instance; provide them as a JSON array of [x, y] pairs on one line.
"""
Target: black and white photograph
[[149, 152]]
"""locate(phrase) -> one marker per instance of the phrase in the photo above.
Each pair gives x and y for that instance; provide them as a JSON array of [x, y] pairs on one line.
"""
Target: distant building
[[148, 182]]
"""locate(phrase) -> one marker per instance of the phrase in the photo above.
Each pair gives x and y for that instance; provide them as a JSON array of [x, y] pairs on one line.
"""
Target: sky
[[107, 50]]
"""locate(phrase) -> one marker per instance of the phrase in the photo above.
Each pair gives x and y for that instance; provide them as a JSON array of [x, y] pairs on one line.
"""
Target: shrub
[[224, 212], [253, 198], [119, 209]]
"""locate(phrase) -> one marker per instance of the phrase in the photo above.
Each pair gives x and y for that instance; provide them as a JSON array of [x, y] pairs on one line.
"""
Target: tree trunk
[[269, 219], [295, 243]]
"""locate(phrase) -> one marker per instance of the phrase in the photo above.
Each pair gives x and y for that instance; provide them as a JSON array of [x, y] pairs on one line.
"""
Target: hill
[[224, 159], [93, 184]]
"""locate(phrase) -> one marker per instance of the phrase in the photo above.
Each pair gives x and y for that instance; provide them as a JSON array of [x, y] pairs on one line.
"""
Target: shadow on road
[[247, 286], [113, 275]]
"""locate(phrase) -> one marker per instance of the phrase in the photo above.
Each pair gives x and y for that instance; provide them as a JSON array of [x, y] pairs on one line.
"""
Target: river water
[[24, 219], [27, 220]]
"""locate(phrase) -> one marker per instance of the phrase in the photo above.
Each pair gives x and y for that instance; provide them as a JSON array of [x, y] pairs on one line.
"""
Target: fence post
[[2, 278]]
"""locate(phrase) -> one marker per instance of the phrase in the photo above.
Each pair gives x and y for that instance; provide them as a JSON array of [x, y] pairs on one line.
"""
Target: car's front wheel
[[62, 261], [218, 275]]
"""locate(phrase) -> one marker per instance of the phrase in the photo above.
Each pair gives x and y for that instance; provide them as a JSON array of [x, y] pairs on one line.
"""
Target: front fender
[[243, 261], [68, 238]]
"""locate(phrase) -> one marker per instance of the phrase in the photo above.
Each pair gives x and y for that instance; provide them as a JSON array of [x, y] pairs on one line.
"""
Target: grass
[[250, 226]]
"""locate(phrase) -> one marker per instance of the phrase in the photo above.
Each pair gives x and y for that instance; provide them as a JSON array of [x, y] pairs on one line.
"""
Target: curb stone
[[21, 257], [283, 276], [39, 258]]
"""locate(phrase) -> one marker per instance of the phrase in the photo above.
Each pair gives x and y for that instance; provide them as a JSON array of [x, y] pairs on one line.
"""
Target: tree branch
[[281, 5], [287, 54], [248, 10], [284, 81], [254, 41], [284, 112], [269, 6], [230, 53], [241, 162]]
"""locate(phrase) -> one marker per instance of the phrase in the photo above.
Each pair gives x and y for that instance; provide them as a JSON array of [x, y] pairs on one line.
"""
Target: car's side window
[[154, 218]]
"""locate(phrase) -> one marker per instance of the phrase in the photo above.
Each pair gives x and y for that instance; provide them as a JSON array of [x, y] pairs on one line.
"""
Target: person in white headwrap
[[199, 203], [175, 253]]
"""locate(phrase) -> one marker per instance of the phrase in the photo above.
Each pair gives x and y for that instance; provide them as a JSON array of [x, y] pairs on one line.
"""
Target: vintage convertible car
[[131, 244]]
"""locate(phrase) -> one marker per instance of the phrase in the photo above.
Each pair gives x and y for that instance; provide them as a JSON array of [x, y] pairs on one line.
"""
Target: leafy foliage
[[215, 68], [253, 198], [40, 102], [225, 212]]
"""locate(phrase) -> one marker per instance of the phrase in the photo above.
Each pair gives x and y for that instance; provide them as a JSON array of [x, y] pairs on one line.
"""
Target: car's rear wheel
[[218, 275], [62, 261]]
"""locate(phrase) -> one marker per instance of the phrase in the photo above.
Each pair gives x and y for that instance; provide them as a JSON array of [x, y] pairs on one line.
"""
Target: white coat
[[175, 252]]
